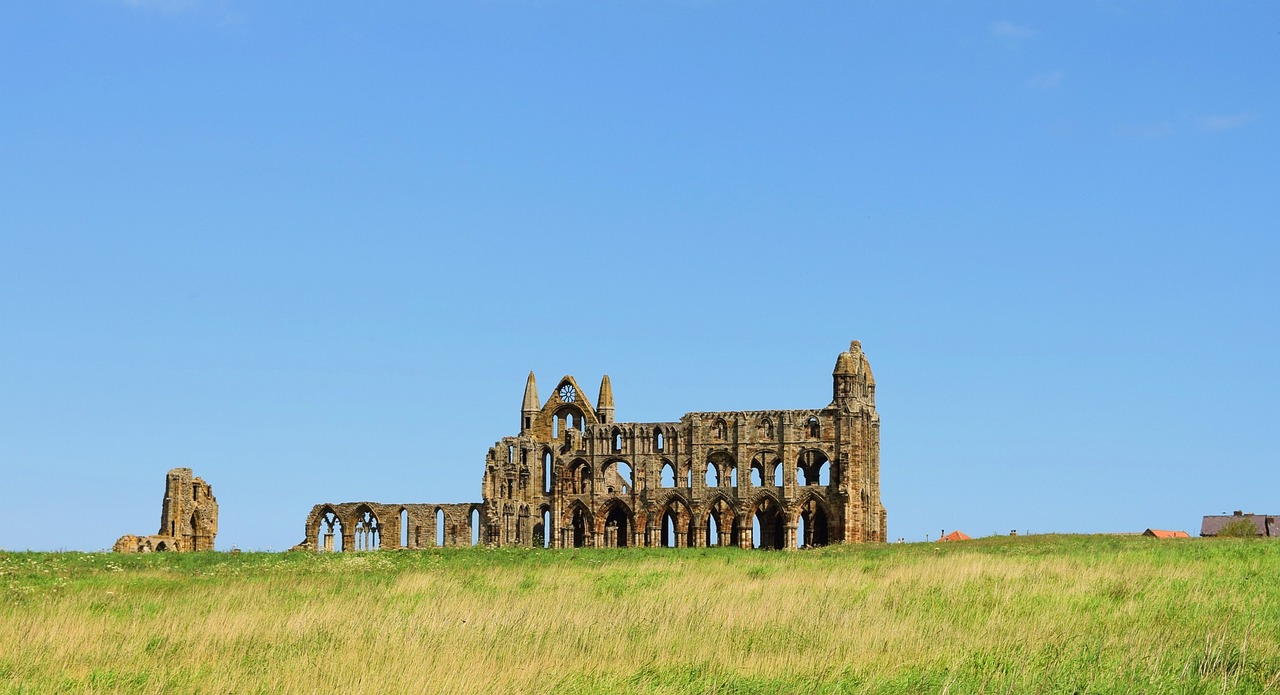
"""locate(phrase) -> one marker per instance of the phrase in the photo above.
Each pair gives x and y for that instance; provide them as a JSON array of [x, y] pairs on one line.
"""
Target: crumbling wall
[[804, 477], [188, 518]]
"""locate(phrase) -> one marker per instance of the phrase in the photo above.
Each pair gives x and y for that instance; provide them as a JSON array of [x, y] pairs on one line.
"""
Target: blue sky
[[311, 250]]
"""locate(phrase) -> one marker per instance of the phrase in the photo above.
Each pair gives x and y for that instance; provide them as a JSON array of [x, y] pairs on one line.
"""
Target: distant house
[[955, 536], [1267, 526], [1157, 533]]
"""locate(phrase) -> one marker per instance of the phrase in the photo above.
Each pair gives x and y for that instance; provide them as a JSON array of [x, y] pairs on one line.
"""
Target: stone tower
[[188, 518]]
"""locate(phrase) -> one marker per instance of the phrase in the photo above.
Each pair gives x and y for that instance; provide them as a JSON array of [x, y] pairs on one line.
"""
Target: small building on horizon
[[955, 536], [1159, 533], [1265, 525]]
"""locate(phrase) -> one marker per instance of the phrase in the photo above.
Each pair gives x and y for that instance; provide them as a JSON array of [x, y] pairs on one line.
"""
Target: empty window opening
[[713, 530], [475, 527], [555, 427], [439, 528], [617, 478], [617, 441], [329, 538], [544, 541], [546, 471], [777, 474], [668, 475], [713, 475], [756, 476], [813, 468], [657, 440], [815, 429], [404, 528], [368, 536]]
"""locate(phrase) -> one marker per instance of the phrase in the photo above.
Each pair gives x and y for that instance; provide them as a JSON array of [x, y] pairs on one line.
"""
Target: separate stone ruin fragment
[[188, 518], [573, 477]]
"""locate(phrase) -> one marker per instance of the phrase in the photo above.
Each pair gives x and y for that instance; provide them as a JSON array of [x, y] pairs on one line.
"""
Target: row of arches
[[363, 530], [765, 525], [812, 468]]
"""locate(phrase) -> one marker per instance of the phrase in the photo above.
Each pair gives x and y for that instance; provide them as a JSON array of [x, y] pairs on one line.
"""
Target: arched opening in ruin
[[668, 539], [161, 547], [546, 470], [768, 527], [677, 528], [474, 516], [580, 527], [657, 440], [368, 535], [722, 523], [195, 533], [404, 527], [542, 531], [713, 474], [617, 439], [617, 477], [813, 526], [777, 473], [814, 428], [668, 475], [439, 527], [329, 532], [617, 526], [813, 468]]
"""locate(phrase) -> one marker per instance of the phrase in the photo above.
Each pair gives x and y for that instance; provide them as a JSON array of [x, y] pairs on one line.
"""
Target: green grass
[[1051, 614]]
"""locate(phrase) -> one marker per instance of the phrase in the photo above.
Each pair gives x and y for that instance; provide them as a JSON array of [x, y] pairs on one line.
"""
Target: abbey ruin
[[188, 518], [574, 477]]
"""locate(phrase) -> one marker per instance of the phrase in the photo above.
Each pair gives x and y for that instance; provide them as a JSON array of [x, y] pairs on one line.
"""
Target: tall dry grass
[[1047, 614]]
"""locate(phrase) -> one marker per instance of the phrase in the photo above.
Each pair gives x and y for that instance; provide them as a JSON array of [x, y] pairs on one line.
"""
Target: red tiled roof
[[1165, 534], [955, 536]]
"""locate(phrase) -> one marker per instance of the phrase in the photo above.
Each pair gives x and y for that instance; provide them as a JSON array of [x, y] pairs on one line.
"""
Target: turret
[[530, 407], [851, 380], [604, 404]]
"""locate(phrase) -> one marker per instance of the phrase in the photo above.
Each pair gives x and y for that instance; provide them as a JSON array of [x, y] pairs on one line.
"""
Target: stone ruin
[[573, 477], [188, 518]]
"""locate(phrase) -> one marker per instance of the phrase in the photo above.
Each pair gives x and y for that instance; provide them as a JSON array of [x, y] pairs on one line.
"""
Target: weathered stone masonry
[[573, 477], [188, 518]]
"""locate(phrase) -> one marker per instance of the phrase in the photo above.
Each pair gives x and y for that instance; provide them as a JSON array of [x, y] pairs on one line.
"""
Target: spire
[[530, 407], [604, 404]]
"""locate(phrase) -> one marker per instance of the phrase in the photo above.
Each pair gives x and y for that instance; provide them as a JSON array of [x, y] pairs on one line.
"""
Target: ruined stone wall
[[573, 477], [188, 518]]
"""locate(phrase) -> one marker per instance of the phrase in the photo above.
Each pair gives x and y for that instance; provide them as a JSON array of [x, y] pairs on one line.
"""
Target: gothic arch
[[617, 522]]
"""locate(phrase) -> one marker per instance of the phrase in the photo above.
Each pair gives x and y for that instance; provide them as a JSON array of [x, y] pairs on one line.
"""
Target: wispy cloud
[[1214, 124], [1008, 30], [1048, 80]]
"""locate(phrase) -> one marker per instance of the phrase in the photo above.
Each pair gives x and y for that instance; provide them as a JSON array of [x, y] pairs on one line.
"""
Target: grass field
[[1053, 614]]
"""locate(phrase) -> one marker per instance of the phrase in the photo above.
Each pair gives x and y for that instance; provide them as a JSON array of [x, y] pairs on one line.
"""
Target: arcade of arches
[[574, 477]]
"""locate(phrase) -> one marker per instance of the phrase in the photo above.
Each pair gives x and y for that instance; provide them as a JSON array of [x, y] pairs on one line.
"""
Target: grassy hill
[[1054, 614]]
